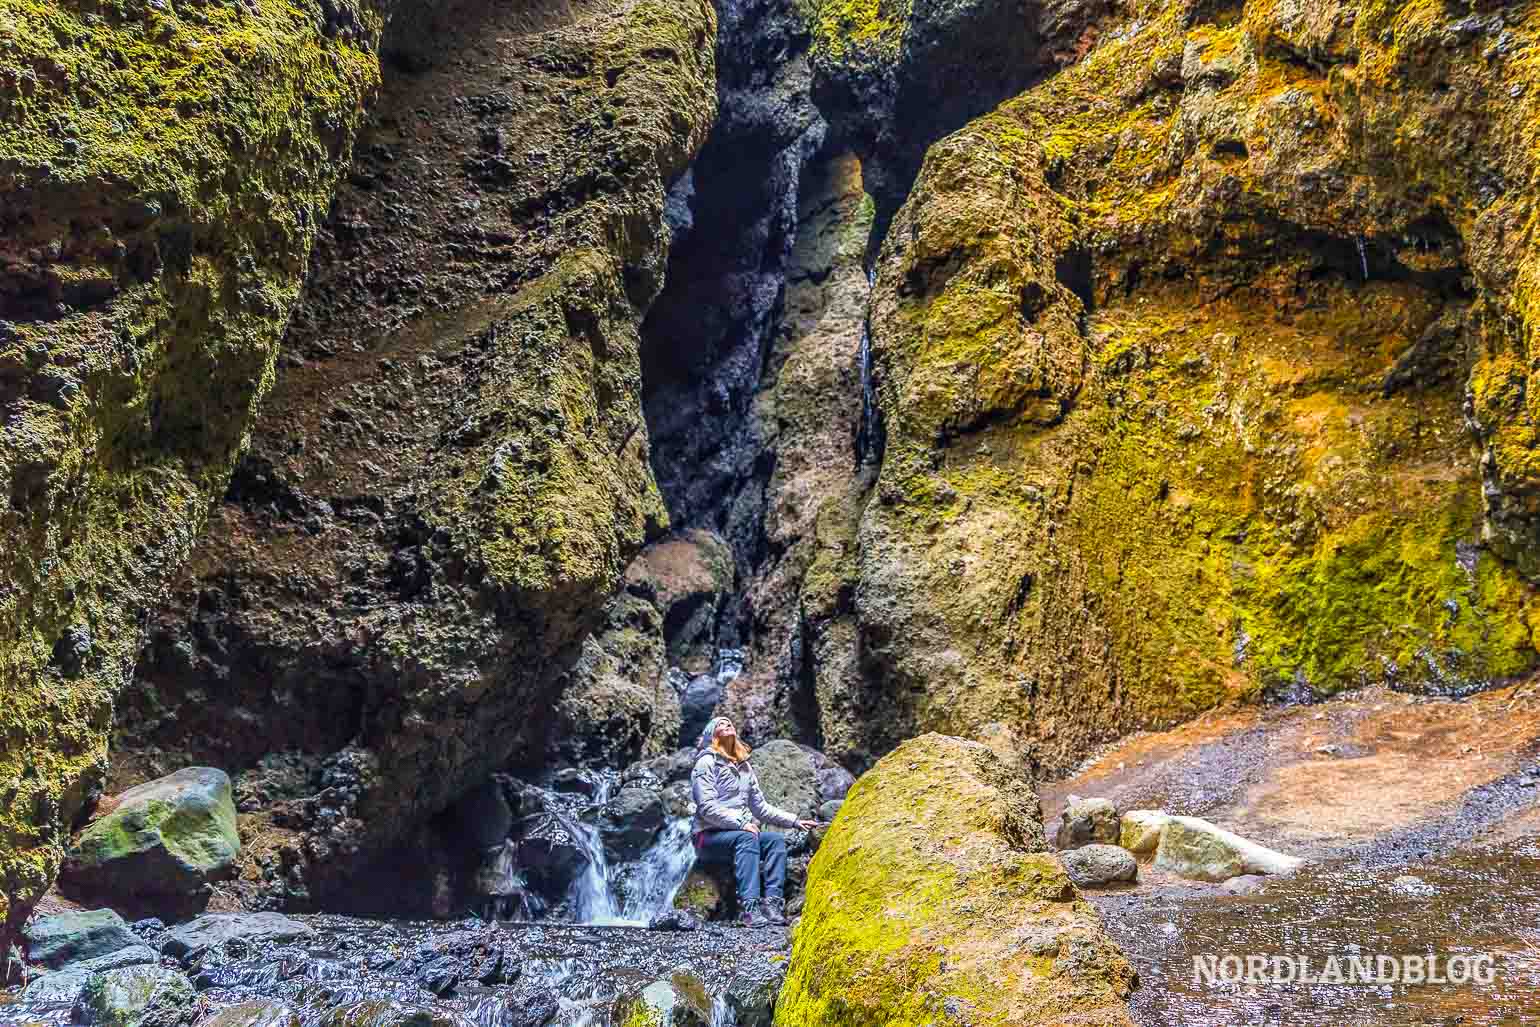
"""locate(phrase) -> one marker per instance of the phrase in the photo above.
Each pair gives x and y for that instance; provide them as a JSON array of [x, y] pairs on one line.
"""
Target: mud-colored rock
[[919, 894], [1139, 830], [1087, 822], [689, 578], [168, 838], [1195, 848], [257, 1013]]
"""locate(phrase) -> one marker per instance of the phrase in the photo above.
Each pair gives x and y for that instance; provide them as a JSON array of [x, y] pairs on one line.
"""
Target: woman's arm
[[772, 815], [710, 808]]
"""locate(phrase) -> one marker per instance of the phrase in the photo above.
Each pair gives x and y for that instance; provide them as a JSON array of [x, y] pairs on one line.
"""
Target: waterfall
[[866, 432], [1363, 257], [656, 877], [632, 894], [729, 665]]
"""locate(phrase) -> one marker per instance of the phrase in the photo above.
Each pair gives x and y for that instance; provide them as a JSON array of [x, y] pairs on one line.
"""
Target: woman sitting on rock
[[728, 802]]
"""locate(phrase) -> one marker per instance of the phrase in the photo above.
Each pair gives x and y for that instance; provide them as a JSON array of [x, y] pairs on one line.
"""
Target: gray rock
[[676, 920], [62, 987], [134, 996], [64, 938], [134, 955], [1246, 884], [1096, 864], [697, 705], [677, 800], [787, 776], [258, 1013], [1088, 822], [1407, 884], [827, 811], [630, 821], [833, 783], [167, 837], [1194, 848], [751, 991], [186, 941]]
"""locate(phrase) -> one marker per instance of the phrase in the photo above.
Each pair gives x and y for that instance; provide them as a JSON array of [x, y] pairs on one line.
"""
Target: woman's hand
[[807, 825], [752, 827]]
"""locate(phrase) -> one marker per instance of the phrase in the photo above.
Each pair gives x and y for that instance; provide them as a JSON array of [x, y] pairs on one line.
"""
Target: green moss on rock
[[922, 893]]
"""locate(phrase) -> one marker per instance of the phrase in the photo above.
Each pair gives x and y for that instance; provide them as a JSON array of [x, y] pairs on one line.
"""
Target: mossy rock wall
[[933, 900], [162, 174], [419, 558], [1200, 371]]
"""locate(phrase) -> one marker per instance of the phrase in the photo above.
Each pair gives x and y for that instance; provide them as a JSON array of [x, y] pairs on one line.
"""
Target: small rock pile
[[1098, 846]]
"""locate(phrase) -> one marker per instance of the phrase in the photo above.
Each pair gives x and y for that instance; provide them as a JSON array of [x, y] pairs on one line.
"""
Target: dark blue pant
[[752, 856]]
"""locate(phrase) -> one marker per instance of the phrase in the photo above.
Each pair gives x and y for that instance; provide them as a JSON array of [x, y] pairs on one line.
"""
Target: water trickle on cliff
[[868, 448], [1363, 256]]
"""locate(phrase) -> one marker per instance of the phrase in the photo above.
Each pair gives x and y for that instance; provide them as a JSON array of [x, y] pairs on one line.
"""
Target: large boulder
[[187, 941], [920, 897], [168, 837], [135, 996], [788, 775], [1088, 822], [64, 938], [1194, 848]]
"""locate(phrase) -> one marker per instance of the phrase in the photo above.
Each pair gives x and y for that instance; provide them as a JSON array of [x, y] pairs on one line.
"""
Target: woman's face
[[725, 729]]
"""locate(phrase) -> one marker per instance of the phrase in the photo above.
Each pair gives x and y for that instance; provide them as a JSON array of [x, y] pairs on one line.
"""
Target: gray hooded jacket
[[727, 794]]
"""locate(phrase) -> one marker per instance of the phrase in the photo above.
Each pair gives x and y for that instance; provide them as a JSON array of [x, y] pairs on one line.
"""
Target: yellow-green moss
[[917, 894]]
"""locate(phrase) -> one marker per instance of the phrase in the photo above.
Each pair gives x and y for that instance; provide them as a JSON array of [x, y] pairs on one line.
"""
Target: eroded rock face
[[162, 176], [933, 897], [411, 576], [1179, 355]]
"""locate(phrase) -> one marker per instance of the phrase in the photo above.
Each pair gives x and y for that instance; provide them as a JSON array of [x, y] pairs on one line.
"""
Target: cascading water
[[867, 444]]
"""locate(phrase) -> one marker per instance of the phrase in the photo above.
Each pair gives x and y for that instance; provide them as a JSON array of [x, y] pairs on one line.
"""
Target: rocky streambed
[[242, 970], [1417, 818]]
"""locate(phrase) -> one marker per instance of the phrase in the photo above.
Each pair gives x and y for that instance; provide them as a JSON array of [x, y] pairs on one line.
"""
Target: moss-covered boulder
[[923, 897], [163, 171], [168, 837], [135, 996]]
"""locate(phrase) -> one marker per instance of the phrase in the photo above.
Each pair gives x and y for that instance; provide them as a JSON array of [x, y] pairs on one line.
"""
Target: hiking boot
[[775, 911], [752, 916]]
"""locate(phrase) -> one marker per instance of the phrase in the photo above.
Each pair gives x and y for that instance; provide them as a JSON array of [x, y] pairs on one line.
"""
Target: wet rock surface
[[348, 971]]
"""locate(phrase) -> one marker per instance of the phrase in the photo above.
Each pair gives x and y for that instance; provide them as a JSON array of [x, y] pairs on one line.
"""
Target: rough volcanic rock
[[630, 821], [1087, 822], [689, 578], [1097, 864], [804, 650], [616, 702], [786, 776], [166, 838], [162, 176], [1173, 352], [921, 894], [451, 473]]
